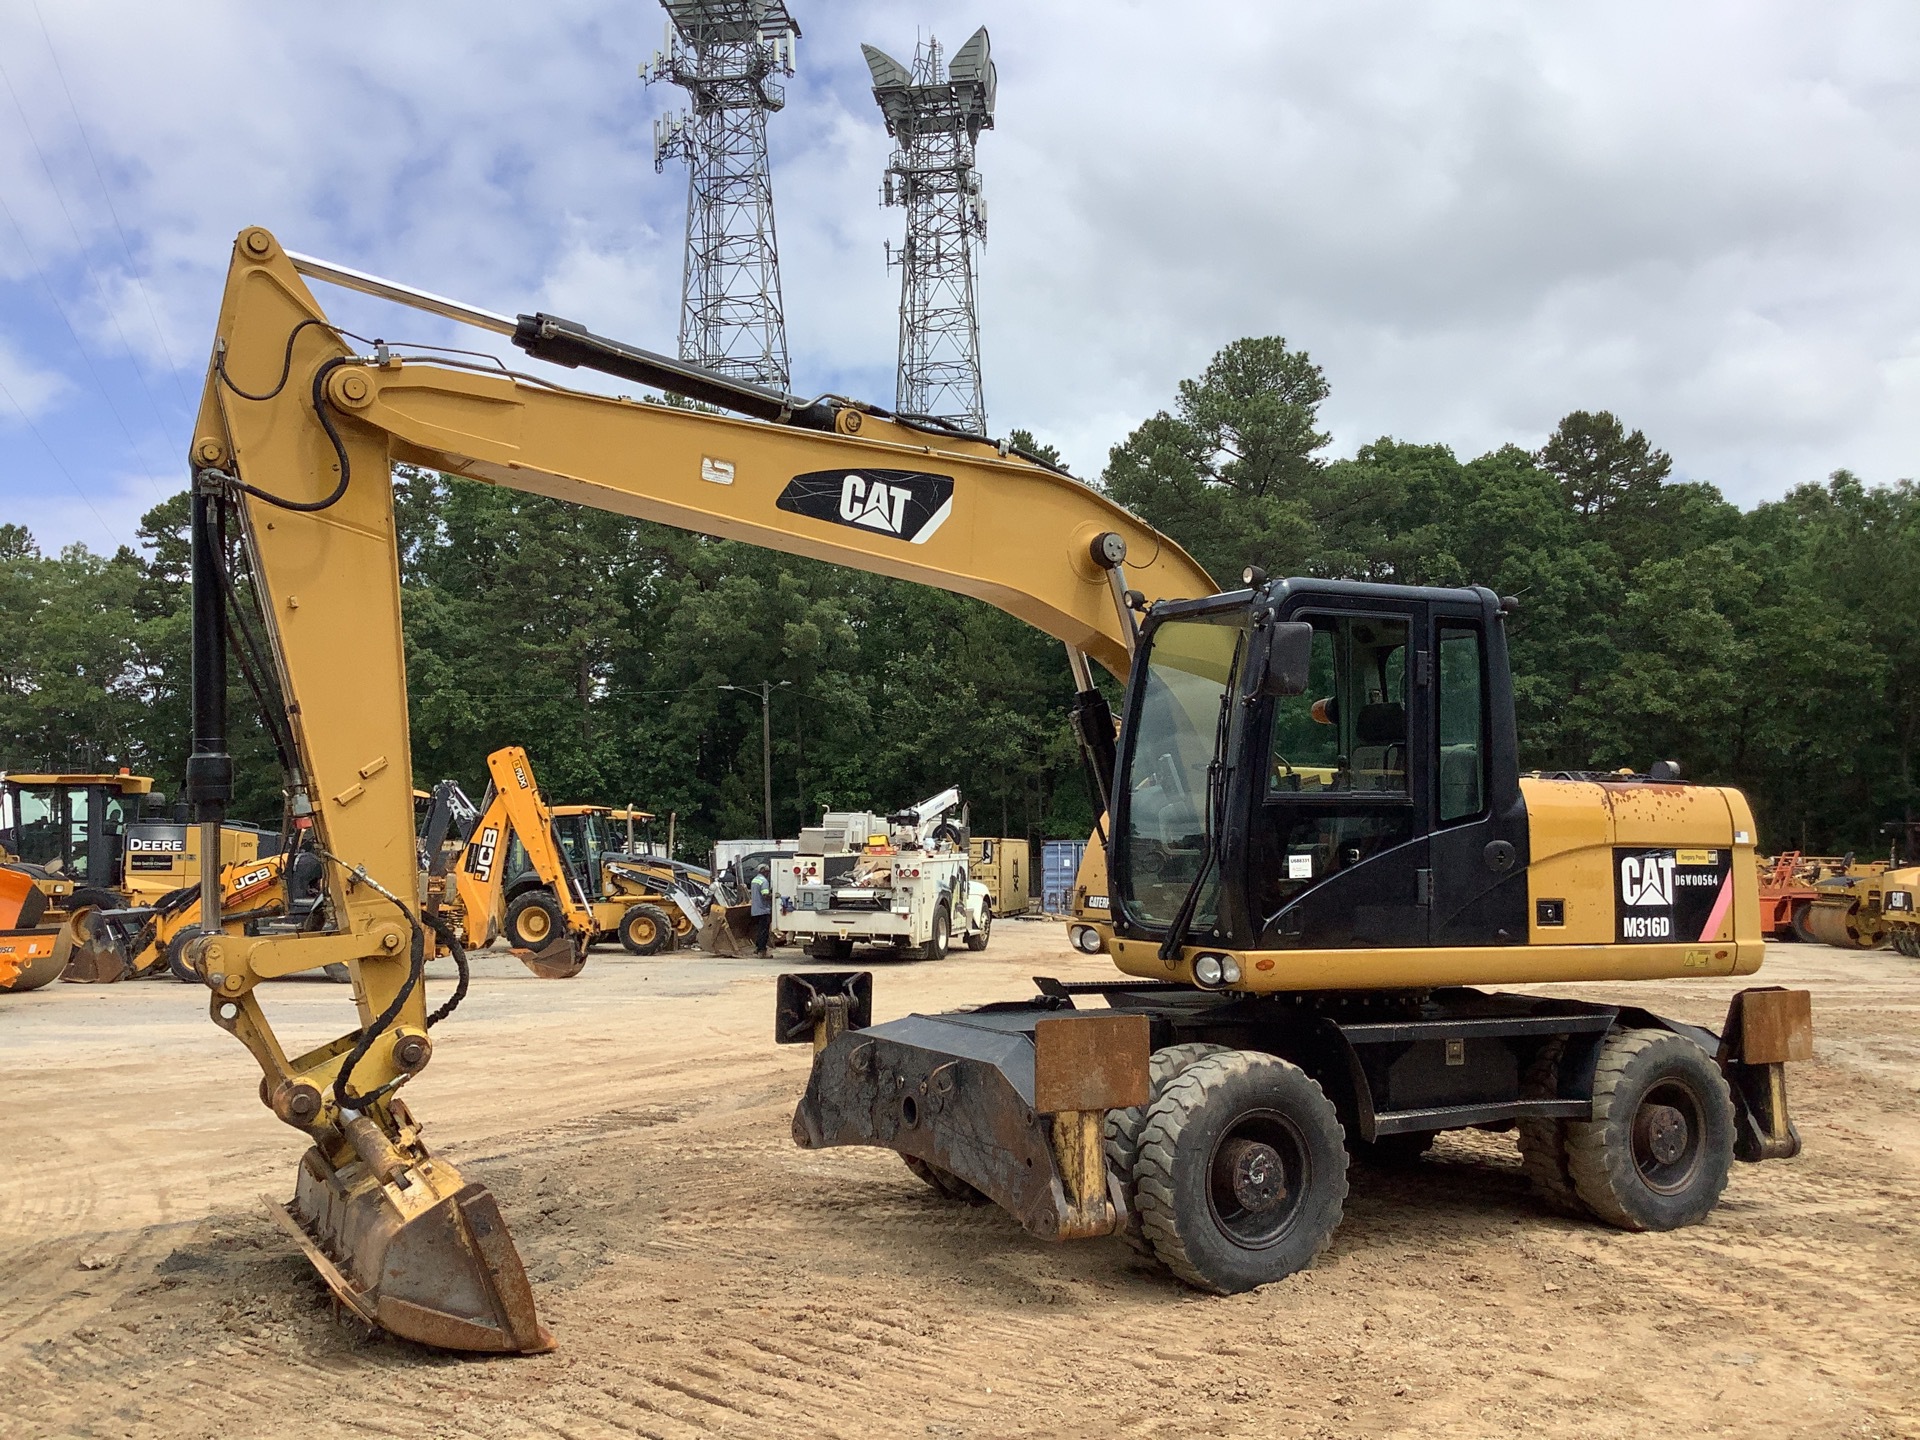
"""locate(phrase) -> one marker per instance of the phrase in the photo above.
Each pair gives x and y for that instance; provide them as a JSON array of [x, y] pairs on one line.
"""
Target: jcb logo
[[1646, 881], [480, 865], [253, 878], [876, 505]]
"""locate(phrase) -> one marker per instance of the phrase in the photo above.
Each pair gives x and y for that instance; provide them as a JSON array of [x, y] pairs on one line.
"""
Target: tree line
[[1777, 649]]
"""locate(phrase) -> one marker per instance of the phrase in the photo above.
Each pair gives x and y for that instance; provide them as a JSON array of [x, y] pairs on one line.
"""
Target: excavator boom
[[292, 456]]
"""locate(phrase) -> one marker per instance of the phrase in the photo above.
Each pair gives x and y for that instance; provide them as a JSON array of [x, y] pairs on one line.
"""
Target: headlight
[[1085, 938], [1229, 970], [1207, 969]]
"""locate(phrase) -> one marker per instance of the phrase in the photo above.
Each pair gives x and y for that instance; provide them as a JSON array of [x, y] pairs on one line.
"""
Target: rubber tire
[[1600, 1151], [977, 940], [176, 958], [657, 923], [92, 897], [1123, 1127], [534, 900], [1177, 1143], [1797, 923], [1543, 1141], [938, 940], [945, 1183], [1392, 1152]]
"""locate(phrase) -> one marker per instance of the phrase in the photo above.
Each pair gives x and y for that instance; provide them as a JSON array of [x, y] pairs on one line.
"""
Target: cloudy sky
[[1475, 216]]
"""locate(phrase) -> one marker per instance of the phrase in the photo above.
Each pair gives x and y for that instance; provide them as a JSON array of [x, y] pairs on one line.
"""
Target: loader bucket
[[98, 956], [425, 1257], [561, 958], [727, 931]]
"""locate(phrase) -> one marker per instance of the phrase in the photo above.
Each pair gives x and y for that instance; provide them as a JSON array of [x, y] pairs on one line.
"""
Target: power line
[[159, 332], [58, 465], [106, 303]]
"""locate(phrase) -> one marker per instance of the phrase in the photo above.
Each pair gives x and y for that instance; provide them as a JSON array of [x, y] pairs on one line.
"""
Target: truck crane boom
[[292, 455]]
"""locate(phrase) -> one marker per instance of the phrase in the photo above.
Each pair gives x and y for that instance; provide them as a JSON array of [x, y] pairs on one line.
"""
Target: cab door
[[1479, 827], [1338, 854]]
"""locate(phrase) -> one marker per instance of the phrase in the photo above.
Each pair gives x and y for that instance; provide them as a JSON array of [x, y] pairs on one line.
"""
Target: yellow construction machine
[[1317, 832], [550, 879], [1900, 905], [99, 846]]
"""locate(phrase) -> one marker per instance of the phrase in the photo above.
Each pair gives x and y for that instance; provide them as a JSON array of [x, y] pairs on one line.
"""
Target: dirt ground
[[706, 1278]]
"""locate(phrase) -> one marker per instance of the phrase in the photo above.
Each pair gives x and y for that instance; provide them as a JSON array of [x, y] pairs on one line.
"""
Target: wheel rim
[[534, 924], [1257, 1178], [1669, 1132], [642, 929]]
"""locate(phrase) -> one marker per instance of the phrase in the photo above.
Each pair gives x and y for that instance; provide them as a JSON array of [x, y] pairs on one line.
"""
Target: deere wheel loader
[[1302, 894]]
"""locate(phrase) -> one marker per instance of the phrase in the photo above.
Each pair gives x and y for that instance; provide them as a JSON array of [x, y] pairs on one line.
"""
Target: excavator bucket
[[422, 1255], [99, 955], [561, 958]]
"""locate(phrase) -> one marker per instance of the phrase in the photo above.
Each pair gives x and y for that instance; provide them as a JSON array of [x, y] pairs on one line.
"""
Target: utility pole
[[765, 692]]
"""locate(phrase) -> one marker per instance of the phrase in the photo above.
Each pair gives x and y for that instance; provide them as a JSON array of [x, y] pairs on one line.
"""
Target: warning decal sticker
[[1665, 897]]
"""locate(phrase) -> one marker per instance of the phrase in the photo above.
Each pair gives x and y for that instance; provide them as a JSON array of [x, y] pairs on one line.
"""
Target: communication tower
[[935, 112], [729, 56]]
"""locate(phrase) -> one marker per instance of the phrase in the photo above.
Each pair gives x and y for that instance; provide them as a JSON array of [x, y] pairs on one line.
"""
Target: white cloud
[[1475, 216]]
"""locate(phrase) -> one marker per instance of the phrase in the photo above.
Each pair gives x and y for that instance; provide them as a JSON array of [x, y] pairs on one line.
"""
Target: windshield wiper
[[1217, 772]]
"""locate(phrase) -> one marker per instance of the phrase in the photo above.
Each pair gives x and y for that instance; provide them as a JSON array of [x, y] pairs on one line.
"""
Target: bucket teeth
[[426, 1258]]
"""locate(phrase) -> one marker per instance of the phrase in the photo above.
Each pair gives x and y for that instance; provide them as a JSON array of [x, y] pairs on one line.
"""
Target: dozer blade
[[425, 1257], [559, 959], [98, 956]]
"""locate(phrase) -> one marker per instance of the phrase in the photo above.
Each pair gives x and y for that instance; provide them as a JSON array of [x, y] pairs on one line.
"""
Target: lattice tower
[[935, 112], [729, 56]]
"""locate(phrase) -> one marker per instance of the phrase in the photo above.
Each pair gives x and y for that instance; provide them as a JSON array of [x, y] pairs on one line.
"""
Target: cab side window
[[1462, 761], [1348, 732]]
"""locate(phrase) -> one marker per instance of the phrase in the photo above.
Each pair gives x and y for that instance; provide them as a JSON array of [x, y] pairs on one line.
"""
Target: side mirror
[[1289, 658]]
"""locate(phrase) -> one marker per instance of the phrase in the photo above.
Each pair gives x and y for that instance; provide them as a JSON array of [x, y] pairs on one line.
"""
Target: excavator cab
[[1346, 793]]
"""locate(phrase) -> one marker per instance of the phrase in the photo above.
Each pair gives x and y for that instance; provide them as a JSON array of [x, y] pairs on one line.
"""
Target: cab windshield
[[1191, 669]]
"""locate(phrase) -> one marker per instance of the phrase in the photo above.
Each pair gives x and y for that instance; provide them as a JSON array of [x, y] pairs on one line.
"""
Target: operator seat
[[1380, 752]]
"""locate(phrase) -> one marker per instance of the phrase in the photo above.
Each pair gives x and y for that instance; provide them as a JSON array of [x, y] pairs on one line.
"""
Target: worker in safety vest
[[760, 907]]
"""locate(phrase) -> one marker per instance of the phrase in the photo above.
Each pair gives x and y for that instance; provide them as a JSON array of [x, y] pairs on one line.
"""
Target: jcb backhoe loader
[[1318, 835], [571, 890]]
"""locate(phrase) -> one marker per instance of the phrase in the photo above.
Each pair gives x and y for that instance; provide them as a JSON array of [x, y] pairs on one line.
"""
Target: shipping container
[[1059, 866]]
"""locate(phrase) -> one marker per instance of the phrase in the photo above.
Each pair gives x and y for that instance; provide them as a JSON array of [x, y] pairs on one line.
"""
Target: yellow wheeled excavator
[[1318, 838]]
